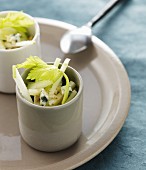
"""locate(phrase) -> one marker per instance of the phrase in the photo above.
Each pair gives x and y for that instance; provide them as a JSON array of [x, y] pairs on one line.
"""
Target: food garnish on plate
[[14, 30], [45, 84]]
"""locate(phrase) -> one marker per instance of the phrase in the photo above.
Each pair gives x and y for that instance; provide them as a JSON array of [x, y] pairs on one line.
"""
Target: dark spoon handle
[[102, 12]]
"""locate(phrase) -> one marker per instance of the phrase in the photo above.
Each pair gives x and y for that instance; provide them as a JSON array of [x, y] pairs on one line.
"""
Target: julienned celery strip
[[55, 85], [39, 84], [57, 62], [72, 95], [62, 69], [21, 85], [66, 89], [14, 71], [65, 65]]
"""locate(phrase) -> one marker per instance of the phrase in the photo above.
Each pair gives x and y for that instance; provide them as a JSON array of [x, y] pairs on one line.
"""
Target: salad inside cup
[[14, 30], [45, 84]]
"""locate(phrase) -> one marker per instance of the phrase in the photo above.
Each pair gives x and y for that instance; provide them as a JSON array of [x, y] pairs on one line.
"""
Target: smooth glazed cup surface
[[52, 128], [18, 55]]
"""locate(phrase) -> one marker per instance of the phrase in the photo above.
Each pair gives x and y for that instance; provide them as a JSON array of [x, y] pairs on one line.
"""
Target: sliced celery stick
[[65, 65], [55, 85], [72, 95], [24, 43], [63, 89], [63, 68], [72, 85], [48, 88], [56, 101], [21, 85], [66, 89], [39, 84], [57, 62], [34, 92]]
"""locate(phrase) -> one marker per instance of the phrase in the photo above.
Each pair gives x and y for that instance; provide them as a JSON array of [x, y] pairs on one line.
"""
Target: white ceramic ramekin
[[13, 56], [52, 128]]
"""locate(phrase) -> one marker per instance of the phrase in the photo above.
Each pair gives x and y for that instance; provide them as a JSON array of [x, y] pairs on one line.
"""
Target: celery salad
[[14, 30], [45, 85]]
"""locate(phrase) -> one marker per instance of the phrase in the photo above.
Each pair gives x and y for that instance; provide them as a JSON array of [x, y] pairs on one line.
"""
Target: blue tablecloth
[[124, 30]]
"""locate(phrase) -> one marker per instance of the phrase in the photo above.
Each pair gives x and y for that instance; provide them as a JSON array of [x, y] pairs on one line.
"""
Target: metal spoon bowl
[[77, 40]]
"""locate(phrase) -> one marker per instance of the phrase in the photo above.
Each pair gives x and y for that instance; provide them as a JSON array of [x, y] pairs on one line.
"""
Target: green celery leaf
[[44, 73], [18, 19], [40, 70], [32, 61]]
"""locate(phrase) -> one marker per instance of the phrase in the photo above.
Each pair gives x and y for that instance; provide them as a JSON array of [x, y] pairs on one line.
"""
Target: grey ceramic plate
[[106, 105]]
